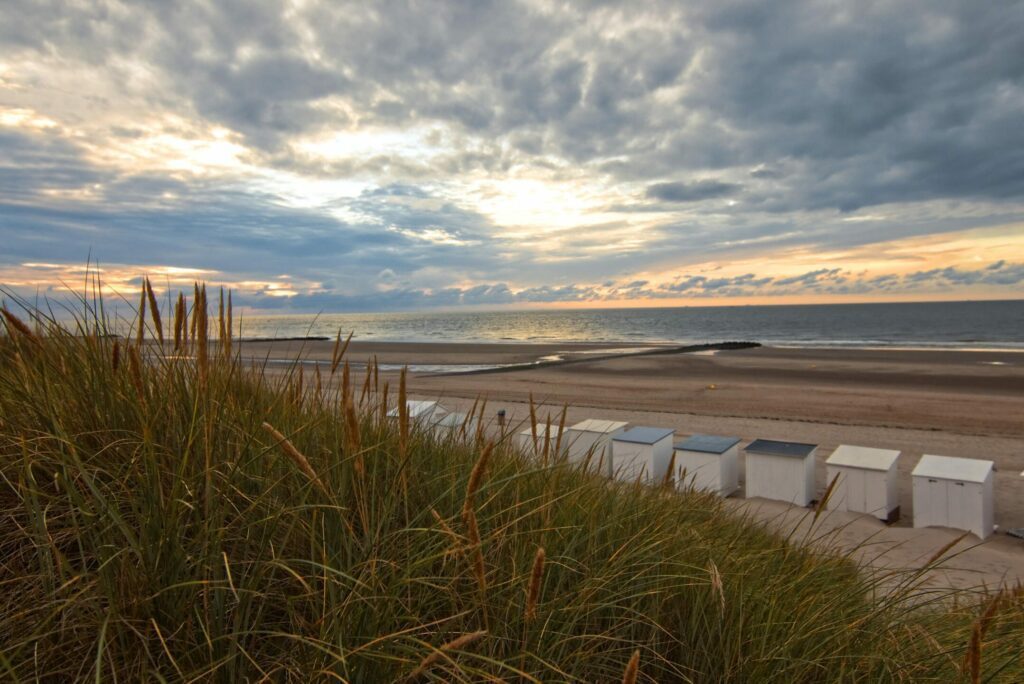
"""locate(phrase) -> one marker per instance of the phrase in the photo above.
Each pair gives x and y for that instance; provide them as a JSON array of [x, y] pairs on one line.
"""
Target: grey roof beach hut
[[783, 471], [528, 446], [866, 481], [708, 463], [642, 453], [591, 441], [455, 425], [954, 492]]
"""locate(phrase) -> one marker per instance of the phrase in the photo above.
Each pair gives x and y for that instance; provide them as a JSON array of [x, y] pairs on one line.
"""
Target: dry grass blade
[[179, 321], [115, 360], [561, 430], [533, 589], [353, 436], [826, 496], [472, 528], [339, 351], [670, 472], [403, 415], [135, 368], [717, 586], [15, 323], [195, 312], [140, 334], [985, 621], [476, 477], [632, 669], [295, 456], [154, 311], [201, 316], [220, 319], [945, 548], [447, 529], [346, 381], [365, 392], [533, 422], [480, 422], [383, 402], [973, 658], [476, 543], [453, 645], [230, 328]]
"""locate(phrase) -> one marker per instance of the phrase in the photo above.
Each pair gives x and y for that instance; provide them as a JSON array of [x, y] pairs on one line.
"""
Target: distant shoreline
[[853, 346]]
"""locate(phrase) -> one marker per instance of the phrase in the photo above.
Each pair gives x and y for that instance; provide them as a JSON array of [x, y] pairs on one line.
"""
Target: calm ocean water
[[971, 325]]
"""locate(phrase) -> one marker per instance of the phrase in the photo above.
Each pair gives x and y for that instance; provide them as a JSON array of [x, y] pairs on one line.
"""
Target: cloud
[[691, 192], [339, 141]]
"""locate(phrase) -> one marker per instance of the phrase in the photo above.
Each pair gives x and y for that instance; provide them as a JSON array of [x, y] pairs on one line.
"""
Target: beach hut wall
[[866, 481], [708, 463], [591, 441], [642, 452], [954, 492], [451, 425], [783, 471], [527, 445]]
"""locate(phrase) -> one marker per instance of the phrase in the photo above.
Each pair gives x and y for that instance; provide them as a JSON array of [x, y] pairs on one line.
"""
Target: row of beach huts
[[947, 491]]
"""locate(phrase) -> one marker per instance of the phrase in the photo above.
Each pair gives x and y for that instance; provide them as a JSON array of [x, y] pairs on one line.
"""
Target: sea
[[979, 325]]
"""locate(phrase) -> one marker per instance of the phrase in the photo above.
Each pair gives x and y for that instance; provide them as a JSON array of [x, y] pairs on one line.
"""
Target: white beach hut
[[451, 425], [708, 463], [642, 452], [421, 412], [592, 439], [867, 481], [783, 471], [954, 492], [545, 431]]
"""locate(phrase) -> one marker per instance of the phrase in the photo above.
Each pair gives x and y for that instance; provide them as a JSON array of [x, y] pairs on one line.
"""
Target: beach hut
[[592, 439], [954, 492], [708, 463], [423, 412], [642, 452], [867, 481], [451, 424], [544, 431], [783, 471]]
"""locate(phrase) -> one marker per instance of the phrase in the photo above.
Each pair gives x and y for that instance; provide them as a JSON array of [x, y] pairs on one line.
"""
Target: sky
[[333, 156]]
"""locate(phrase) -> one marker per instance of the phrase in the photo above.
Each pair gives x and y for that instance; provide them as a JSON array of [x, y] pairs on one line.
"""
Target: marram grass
[[181, 516]]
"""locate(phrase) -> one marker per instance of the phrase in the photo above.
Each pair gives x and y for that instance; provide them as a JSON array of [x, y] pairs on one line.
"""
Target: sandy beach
[[954, 403]]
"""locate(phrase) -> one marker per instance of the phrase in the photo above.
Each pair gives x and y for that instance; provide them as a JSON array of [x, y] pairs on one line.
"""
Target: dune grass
[[172, 514]]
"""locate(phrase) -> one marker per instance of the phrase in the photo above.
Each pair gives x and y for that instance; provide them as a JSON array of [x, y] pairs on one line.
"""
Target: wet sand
[[952, 403]]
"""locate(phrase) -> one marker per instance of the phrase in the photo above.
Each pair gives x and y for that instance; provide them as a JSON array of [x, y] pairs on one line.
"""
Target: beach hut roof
[[643, 435], [416, 408], [601, 426], [774, 448], [952, 468], [452, 420], [542, 430], [708, 444], [863, 457]]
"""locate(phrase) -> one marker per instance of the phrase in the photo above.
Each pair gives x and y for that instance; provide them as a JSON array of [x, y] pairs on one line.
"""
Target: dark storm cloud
[[885, 103], [218, 226], [792, 110], [691, 192]]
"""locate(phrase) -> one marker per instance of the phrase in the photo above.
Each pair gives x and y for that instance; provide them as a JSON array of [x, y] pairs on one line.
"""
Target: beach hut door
[[938, 502], [958, 517], [856, 496]]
